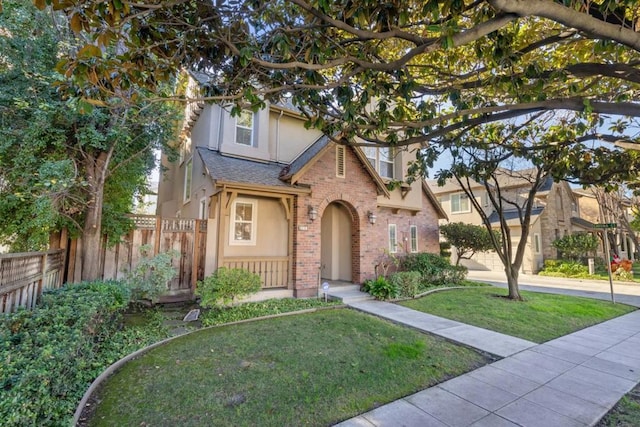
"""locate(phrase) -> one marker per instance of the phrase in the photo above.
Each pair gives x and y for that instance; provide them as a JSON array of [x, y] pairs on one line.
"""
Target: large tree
[[63, 161], [431, 73], [432, 67]]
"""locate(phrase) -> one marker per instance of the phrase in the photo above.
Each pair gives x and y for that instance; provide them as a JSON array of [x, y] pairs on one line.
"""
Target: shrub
[[561, 268], [622, 274], [407, 282], [434, 269], [576, 246], [49, 356], [151, 276], [250, 310], [381, 288], [226, 285]]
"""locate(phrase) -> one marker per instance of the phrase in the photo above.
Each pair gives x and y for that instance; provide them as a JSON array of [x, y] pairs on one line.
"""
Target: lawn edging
[[110, 370], [432, 291]]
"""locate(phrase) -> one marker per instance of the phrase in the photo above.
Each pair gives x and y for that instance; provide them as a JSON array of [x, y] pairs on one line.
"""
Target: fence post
[[156, 246]]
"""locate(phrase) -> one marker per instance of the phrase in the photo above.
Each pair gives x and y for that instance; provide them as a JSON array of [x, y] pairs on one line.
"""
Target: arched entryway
[[336, 246]]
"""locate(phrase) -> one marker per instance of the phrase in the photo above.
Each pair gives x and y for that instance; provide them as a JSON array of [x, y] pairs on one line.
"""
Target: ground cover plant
[[50, 355], [539, 318], [309, 369], [219, 314]]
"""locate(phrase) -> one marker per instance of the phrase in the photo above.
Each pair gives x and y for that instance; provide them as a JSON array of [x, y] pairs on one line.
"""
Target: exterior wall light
[[313, 213], [372, 217]]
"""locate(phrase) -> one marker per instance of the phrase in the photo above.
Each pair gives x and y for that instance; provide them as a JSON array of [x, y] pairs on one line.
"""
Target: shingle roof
[[450, 186], [305, 157], [232, 169], [513, 214], [581, 222]]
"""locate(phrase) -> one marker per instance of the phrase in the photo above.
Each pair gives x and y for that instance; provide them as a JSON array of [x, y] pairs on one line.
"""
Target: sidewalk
[[570, 381]]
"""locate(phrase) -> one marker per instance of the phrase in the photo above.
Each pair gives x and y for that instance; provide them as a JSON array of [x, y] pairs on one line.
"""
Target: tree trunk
[[512, 283], [92, 231]]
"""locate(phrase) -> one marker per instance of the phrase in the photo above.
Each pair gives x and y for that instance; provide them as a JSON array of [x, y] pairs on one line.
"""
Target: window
[[203, 209], [243, 223], [382, 160], [460, 203], [536, 243], [186, 195], [393, 239], [185, 146], [413, 232], [244, 128], [485, 200], [340, 161]]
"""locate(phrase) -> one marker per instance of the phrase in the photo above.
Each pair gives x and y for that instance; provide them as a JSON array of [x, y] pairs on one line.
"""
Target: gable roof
[[434, 200], [311, 155], [581, 222]]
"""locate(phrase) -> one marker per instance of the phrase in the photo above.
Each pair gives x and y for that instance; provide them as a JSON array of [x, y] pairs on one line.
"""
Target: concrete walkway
[[570, 381]]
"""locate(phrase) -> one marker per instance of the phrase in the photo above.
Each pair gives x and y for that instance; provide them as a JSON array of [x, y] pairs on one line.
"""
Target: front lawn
[[541, 317], [308, 369]]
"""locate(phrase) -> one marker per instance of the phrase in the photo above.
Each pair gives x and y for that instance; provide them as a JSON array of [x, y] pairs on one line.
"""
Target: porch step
[[349, 294]]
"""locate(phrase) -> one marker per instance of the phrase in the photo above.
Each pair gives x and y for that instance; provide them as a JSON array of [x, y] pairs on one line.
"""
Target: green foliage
[[53, 151], [561, 268], [151, 276], [408, 283], [435, 269], [445, 249], [220, 315], [468, 238], [577, 245], [49, 356], [622, 275], [381, 288], [226, 285]]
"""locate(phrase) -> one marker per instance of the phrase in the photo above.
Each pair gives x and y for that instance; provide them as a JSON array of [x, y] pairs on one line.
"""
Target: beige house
[[552, 216], [291, 205], [592, 212]]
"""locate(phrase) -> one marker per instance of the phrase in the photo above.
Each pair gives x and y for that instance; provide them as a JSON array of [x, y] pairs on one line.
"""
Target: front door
[[336, 243]]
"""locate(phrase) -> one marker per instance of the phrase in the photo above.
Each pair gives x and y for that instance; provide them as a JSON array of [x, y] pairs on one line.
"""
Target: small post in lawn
[[605, 228], [325, 289]]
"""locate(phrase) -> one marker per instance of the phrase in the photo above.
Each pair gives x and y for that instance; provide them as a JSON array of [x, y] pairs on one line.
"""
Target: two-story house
[[551, 216], [290, 204]]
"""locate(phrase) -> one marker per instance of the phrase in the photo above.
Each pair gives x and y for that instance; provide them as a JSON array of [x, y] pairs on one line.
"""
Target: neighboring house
[[592, 213], [286, 202], [551, 217]]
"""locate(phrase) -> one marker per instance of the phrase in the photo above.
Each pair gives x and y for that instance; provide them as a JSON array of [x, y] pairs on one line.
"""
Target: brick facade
[[359, 194]]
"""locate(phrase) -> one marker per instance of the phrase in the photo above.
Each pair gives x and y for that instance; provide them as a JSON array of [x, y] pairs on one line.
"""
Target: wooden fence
[[23, 277], [186, 236]]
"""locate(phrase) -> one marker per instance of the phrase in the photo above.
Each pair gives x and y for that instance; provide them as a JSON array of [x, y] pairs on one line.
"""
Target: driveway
[[624, 292]]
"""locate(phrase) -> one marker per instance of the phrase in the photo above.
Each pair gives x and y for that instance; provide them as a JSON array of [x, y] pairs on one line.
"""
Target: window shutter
[[340, 161]]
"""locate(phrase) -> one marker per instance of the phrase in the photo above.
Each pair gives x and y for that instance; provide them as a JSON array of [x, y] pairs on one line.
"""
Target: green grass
[[626, 413], [541, 317], [308, 369]]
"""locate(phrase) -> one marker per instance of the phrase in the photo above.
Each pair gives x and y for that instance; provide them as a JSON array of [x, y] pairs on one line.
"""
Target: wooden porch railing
[[23, 277], [274, 271]]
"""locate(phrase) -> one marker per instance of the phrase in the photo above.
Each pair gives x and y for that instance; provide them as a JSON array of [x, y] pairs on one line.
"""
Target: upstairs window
[[243, 223], [244, 128], [460, 203], [382, 160]]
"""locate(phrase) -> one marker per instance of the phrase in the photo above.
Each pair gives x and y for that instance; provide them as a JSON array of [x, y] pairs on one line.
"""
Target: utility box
[[592, 266]]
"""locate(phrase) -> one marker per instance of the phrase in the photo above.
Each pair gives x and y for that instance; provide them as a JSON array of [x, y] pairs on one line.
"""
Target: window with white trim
[[243, 222], [203, 208], [340, 161], [244, 128], [413, 236], [460, 203], [393, 238], [536, 243], [186, 194], [382, 159]]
